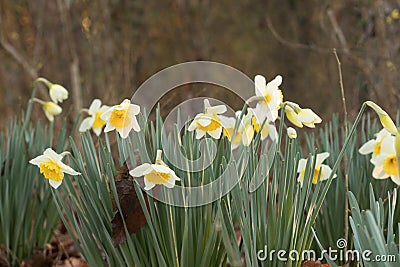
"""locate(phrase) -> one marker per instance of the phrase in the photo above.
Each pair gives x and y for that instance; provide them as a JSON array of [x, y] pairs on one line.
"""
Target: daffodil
[[121, 118], [52, 167], [208, 122], [57, 92], [299, 116], [374, 145], [50, 109], [321, 170], [269, 95], [257, 120], [386, 162], [94, 121], [385, 119], [291, 132], [156, 174]]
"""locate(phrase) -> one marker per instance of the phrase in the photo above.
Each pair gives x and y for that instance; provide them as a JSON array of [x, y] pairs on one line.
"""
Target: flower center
[[157, 177], [256, 125], [390, 165], [98, 122], [213, 125], [377, 148], [51, 170], [268, 97], [118, 118]]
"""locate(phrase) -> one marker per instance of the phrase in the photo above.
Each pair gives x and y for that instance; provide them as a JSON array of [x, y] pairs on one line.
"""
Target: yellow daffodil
[[299, 116], [57, 92], [374, 145], [94, 121], [385, 119], [257, 120], [208, 122], [52, 167], [291, 132], [269, 95], [50, 109], [321, 170], [386, 162], [122, 118], [156, 174]]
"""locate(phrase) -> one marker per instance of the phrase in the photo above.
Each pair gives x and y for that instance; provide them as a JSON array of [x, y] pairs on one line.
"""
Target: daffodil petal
[[321, 157], [148, 185], [139, 170], [67, 169], [379, 173], [86, 124], [200, 134], [39, 160], [368, 147], [109, 127], [55, 184], [217, 109], [216, 134], [97, 131], [50, 153], [96, 104], [395, 179]]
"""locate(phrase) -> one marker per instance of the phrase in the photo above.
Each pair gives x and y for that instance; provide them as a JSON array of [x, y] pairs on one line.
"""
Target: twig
[[338, 31], [345, 161]]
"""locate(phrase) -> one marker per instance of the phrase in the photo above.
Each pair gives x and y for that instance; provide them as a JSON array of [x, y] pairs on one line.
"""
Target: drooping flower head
[[269, 94], [50, 109], [299, 116], [57, 92], [156, 174], [208, 122], [94, 121], [52, 167], [291, 132], [321, 170], [122, 118]]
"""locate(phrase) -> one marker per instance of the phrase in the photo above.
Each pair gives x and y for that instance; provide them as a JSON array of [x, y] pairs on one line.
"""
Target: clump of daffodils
[[94, 121], [122, 118], [385, 147], [156, 174], [57, 95], [52, 167], [321, 171]]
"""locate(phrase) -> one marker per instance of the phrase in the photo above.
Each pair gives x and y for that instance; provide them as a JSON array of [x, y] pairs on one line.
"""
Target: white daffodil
[[374, 145], [268, 129], [228, 124], [208, 122], [50, 109], [245, 131], [52, 167], [269, 94], [321, 170], [299, 116], [386, 162], [94, 121], [291, 132], [122, 118], [57, 92], [155, 174]]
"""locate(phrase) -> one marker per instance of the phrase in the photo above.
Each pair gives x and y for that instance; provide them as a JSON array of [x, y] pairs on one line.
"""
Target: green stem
[[29, 109]]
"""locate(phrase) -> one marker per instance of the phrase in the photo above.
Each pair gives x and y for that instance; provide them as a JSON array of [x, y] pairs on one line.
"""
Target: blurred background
[[107, 48]]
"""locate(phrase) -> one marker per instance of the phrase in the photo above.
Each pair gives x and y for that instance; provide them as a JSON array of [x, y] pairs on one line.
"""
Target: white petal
[[326, 172], [227, 122], [216, 134], [55, 184], [97, 131], [39, 160], [206, 104], [135, 125], [368, 147], [67, 169], [107, 114], [216, 109], [124, 132], [50, 153], [382, 134], [379, 173], [395, 179], [95, 106], [161, 168], [86, 124], [321, 157], [109, 127], [387, 145], [260, 85], [200, 134], [134, 109], [302, 165], [148, 185], [192, 126], [139, 170], [49, 116], [204, 120]]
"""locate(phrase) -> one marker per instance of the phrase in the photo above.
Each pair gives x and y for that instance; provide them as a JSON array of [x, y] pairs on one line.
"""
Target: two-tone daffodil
[[52, 167], [245, 131], [386, 162], [321, 170], [208, 122], [156, 174], [94, 121], [269, 95], [385, 119], [257, 120], [57, 92], [374, 145], [122, 118], [50, 109], [299, 116]]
